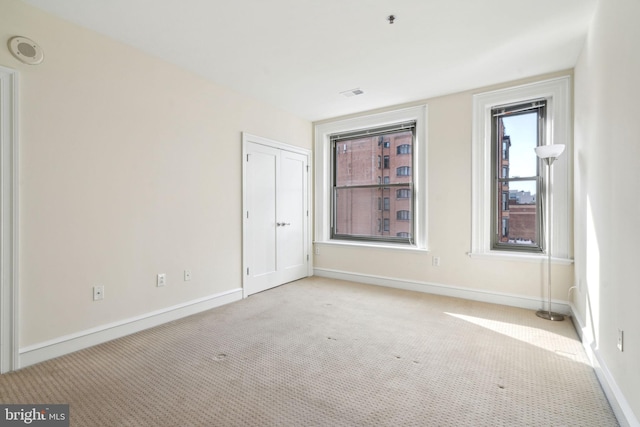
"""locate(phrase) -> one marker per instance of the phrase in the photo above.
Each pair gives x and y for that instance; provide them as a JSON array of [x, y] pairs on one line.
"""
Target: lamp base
[[549, 315]]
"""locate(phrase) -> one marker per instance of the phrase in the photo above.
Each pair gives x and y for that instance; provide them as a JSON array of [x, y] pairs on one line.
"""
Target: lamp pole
[[549, 153]]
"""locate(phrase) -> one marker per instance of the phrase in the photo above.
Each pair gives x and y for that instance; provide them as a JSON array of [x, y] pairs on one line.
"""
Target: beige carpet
[[322, 352]]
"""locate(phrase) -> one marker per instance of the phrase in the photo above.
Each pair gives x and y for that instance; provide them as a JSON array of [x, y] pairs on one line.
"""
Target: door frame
[[248, 138], [9, 348]]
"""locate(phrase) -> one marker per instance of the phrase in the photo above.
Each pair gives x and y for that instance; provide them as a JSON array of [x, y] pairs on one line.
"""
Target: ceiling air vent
[[352, 92]]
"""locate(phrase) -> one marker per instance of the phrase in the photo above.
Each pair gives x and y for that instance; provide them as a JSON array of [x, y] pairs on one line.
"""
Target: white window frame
[[322, 160], [557, 92]]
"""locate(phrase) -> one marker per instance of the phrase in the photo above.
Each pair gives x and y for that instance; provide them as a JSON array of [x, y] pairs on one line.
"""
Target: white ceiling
[[300, 54]]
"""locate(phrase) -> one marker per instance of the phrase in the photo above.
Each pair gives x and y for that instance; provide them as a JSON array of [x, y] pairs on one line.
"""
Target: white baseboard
[[619, 404], [69, 343], [446, 290]]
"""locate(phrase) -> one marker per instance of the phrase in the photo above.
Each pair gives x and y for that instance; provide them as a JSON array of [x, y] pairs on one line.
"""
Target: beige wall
[[449, 220], [129, 167], [607, 177]]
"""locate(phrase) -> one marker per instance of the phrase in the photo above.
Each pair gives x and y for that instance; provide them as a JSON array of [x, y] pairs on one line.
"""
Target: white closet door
[[276, 217]]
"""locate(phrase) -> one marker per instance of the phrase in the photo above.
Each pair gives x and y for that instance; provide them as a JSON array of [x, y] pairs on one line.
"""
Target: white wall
[[129, 167], [607, 180], [449, 225]]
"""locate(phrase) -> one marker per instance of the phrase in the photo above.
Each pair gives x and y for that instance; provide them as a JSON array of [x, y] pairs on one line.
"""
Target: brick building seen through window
[[372, 187]]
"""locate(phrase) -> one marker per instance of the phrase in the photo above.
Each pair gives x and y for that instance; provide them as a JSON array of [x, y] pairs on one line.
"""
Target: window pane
[[357, 213], [403, 193], [357, 161], [402, 215], [404, 171], [518, 213], [404, 149], [520, 137]]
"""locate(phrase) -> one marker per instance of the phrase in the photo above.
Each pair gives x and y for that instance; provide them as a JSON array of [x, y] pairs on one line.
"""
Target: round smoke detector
[[26, 50]]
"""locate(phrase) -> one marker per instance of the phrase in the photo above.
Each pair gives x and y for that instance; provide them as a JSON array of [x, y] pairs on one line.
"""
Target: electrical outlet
[[620, 340], [435, 261], [317, 249], [98, 293], [187, 275], [162, 280]]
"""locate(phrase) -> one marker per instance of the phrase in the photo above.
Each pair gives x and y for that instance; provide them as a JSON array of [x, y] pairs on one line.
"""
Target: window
[[354, 190], [498, 170], [331, 199], [404, 171], [402, 234], [505, 201], [404, 149], [517, 129], [403, 215], [403, 193]]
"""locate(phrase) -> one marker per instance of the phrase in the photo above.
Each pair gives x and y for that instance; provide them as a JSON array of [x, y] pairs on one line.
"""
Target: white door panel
[[262, 204], [292, 257]]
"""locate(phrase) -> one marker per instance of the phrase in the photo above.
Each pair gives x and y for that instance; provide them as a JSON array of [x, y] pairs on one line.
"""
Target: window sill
[[371, 245], [524, 257]]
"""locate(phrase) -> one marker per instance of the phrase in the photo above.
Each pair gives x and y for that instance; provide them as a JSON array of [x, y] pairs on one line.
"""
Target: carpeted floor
[[321, 352]]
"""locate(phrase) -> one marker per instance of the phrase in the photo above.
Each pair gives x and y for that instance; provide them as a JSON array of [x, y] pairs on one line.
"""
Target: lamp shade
[[549, 151]]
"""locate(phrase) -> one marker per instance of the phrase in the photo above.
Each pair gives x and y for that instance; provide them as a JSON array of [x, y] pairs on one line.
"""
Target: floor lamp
[[549, 153]]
